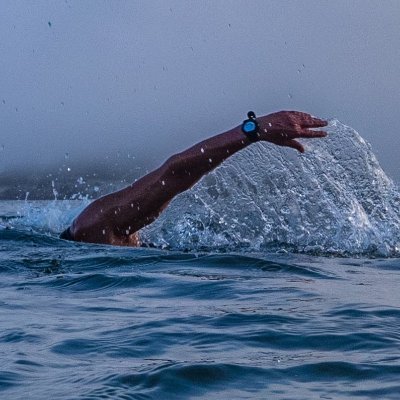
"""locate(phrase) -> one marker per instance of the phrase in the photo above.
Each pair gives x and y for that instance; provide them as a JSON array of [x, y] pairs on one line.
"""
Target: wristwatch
[[250, 127]]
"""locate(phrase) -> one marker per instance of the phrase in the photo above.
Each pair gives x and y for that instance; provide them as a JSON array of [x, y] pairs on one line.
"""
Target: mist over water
[[71, 178], [151, 78]]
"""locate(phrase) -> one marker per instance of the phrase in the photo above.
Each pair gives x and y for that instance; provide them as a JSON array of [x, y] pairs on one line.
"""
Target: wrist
[[251, 128]]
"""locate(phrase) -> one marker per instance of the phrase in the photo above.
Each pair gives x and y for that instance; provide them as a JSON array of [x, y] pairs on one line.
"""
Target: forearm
[[184, 169], [139, 204]]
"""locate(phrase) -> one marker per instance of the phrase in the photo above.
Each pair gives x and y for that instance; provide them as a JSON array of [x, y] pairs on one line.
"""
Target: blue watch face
[[249, 126]]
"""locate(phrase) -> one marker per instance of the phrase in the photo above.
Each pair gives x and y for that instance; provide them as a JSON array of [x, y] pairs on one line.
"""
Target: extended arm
[[115, 218]]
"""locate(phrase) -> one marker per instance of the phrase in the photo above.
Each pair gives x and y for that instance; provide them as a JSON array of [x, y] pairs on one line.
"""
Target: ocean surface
[[276, 277]]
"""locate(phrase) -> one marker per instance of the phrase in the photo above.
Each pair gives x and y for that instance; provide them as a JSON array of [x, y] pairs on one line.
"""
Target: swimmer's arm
[[125, 212], [183, 170], [128, 210]]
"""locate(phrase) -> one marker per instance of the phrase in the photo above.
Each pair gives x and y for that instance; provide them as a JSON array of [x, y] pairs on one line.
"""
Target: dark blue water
[[98, 322]]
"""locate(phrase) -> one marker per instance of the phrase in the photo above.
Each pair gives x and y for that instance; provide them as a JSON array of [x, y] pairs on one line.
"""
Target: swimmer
[[117, 217]]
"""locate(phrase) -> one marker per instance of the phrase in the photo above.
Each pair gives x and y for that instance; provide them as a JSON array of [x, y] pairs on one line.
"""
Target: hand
[[283, 127]]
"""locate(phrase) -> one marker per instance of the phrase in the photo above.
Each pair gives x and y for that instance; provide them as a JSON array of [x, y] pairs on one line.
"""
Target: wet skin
[[117, 217]]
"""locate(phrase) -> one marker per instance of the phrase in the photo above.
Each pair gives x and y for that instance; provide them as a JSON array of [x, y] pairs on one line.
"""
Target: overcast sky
[[148, 78]]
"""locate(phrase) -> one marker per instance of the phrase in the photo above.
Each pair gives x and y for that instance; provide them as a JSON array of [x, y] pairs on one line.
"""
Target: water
[[228, 309], [334, 199]]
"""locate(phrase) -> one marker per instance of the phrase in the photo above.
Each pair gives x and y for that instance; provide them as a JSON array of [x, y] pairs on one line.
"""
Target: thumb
[[294, 144]]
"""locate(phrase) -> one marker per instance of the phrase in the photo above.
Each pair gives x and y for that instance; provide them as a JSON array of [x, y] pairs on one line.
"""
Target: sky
[[88, 81]]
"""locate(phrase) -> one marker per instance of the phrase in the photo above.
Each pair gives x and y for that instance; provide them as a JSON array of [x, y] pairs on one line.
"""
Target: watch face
[[249, 126]]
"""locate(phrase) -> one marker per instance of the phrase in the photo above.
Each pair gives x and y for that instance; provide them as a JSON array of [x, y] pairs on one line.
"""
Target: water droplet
[[68, 169], [4, 102], [49, 23], [202, 150], [290, 96], [104, 231], [210, 160], [66, 156], [269, 124], [163, 183], [62, 103], [127, 231]]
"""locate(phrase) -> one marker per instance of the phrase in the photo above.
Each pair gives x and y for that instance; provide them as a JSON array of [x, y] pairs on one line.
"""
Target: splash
[[334, 199], [49, 217]]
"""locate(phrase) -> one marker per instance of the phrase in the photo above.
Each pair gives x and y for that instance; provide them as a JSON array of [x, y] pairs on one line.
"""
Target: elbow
[[175, 166]]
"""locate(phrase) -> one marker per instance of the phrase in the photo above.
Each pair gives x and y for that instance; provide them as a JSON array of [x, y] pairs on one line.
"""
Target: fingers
[[308, 121], [314, 123], [311, 122], [308, 133], [294, 144]]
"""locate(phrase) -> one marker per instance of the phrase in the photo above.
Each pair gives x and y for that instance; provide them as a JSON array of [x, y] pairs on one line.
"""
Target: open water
[[276, 277]]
